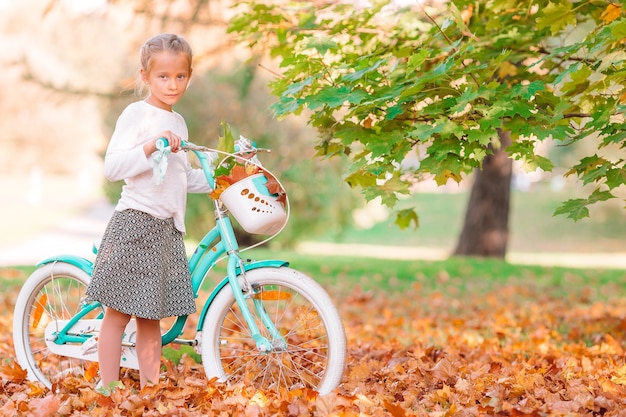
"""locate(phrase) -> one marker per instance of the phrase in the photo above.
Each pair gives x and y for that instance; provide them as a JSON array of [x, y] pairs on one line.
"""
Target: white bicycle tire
[[303, 286], [22, 334]]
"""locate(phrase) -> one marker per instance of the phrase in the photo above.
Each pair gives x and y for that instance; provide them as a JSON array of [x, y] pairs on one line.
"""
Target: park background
[[70, 68]]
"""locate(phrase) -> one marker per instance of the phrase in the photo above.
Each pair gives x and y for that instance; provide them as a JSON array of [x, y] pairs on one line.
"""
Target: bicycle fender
[[271, 263], [80, 262]]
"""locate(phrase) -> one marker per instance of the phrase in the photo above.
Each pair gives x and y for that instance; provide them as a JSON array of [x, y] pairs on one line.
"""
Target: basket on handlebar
[[253, 206]]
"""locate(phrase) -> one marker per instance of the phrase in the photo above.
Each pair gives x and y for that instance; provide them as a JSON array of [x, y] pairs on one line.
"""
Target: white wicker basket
[[252, 205]]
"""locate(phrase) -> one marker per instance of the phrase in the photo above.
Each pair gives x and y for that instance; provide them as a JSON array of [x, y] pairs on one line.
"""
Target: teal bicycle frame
[[218, 242]]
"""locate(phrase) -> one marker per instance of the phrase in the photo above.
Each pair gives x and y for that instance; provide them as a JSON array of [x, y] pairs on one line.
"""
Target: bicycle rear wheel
[[301, 310], [56, 291]]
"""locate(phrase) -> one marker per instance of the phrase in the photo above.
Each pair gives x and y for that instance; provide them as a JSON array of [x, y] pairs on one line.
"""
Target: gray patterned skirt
[[141, 268]]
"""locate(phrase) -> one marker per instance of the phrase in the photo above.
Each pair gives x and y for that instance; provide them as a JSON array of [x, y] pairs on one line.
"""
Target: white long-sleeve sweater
[[125, 160]]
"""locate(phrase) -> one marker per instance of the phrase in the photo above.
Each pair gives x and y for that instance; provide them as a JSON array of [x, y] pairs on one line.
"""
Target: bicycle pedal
[[90, 346]]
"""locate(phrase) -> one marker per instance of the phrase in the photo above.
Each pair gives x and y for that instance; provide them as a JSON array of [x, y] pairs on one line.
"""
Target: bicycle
[[264, 324]]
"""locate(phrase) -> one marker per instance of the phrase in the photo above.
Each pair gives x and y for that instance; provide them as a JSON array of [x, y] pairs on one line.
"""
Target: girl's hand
[[173, 140]]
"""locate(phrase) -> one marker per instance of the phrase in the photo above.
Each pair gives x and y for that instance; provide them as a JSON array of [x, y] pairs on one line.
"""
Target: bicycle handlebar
[[163, 143], [247, 151]]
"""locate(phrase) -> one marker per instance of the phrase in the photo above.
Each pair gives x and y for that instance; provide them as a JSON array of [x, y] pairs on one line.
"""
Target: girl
[[141, 269]]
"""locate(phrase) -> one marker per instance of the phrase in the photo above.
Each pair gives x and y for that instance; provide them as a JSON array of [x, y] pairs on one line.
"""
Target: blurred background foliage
[[72, 66], [69, 68]]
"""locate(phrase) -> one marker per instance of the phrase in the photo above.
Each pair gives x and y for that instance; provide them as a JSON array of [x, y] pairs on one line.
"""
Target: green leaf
[[334, 97], [329, 148], [442, 177], [590, 168], [615, 138], [579, 82], [388, 191], [575, 209], [468, 96], [396, 185], [405, 217], [618, 29], [297, 87], [556, 16], [543, 163], [361, 178], [528, 91], [598, 195], [226, 143], [615, 177], [321, 45], [499, 109], [416, 60], [425, 131], [522, 108], [307, 19], [286, 106], [387, 197], [357, 75]]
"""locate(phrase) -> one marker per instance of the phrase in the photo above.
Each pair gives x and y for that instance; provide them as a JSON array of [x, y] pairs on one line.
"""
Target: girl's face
[[167, 78]]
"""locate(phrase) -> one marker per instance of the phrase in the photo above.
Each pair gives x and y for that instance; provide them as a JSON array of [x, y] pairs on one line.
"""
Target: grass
[[339, 273], [533, 228], [458, 275]]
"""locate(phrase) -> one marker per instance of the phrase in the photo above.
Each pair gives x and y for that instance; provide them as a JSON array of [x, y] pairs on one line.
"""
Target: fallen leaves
[[509, 350]]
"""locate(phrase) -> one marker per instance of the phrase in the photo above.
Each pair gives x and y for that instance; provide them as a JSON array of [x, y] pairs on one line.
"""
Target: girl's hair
[[160, 43]]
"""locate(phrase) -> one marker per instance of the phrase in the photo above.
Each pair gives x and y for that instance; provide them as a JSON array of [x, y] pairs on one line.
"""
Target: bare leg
[[149, 350], [110, 345]]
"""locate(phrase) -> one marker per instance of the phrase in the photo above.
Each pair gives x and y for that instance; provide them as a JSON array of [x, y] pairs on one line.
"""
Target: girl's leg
[[110, 345], [148, 350]]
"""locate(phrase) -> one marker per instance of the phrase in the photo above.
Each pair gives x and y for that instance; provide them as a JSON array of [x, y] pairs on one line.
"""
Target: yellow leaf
[[466, 14], [260, 399], [163, 409], [272, 295], [39, 308], [613, 345], [91, 371], [251, 169], [611, 12], [619, 376], [36, 389], [507, 69]]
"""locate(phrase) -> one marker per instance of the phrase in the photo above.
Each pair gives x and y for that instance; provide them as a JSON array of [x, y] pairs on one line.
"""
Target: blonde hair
[[157, 44]]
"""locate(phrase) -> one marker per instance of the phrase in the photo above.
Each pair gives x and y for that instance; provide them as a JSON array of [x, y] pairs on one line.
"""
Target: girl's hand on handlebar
[[173, 140]]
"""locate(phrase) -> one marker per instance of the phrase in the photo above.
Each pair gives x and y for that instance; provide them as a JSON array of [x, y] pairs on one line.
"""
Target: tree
[[442, 80], [486, 227]]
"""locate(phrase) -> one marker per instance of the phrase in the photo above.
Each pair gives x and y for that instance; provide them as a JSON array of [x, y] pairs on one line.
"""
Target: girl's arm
[[125, 158], [127, 155]]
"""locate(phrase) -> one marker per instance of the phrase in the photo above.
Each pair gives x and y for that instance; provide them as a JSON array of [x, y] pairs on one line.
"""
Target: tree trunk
[[486, 228]]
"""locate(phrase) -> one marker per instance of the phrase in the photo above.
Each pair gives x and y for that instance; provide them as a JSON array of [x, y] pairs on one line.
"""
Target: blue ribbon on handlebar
[[159, 160]]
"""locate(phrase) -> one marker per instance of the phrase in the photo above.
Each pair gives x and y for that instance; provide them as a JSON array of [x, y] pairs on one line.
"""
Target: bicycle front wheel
[[310, 351], [56, 291]]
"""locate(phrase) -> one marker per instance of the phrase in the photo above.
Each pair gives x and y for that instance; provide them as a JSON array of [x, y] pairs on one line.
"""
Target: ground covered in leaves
[[516, 348]]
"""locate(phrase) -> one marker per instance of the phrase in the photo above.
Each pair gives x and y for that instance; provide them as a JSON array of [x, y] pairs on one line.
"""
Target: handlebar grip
[[163, 143]]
